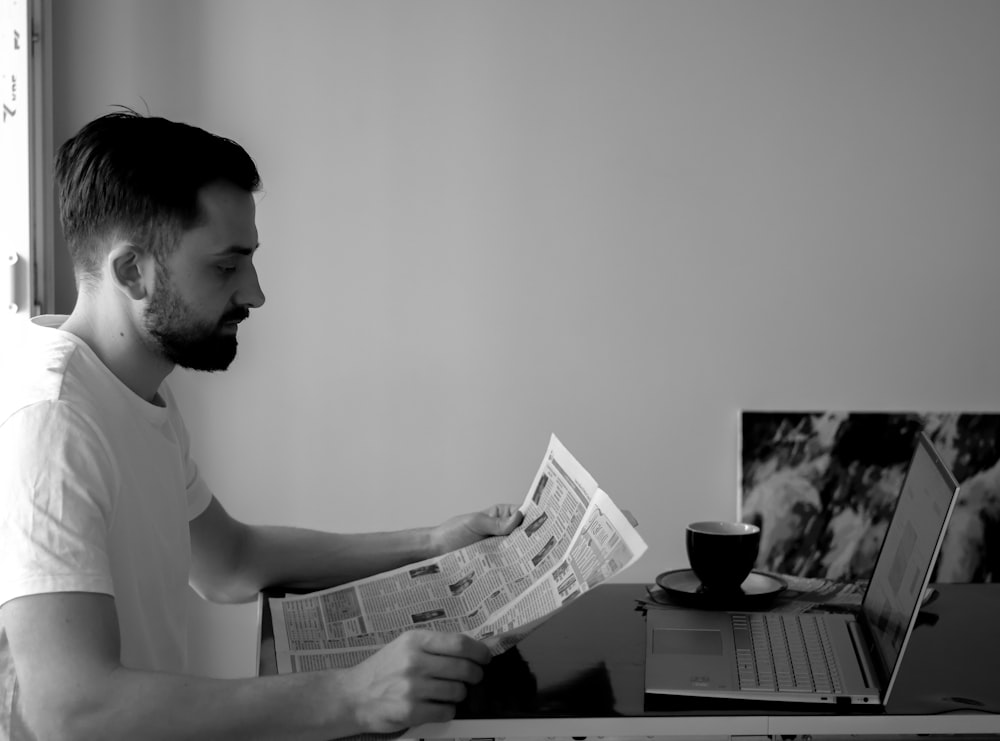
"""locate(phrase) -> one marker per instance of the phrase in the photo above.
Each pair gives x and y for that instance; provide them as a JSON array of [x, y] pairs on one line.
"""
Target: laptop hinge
[[860, 646]]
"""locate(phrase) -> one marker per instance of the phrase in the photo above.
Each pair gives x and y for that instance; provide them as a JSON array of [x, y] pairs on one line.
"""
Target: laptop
[[854, 658]]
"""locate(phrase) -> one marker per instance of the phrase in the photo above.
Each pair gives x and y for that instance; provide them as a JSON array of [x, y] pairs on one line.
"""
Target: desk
[[581, 674]]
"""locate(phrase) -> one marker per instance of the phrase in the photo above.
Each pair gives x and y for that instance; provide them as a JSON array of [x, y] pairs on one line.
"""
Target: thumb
[[505, 525]]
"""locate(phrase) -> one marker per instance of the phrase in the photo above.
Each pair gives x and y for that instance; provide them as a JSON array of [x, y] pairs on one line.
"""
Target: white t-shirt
[[97, 487]]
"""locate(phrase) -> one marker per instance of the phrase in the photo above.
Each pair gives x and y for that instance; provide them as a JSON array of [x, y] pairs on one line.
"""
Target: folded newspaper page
[[572, 539]]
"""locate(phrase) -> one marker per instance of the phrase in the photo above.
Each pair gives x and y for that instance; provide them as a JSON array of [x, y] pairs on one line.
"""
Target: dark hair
[[129, 176]]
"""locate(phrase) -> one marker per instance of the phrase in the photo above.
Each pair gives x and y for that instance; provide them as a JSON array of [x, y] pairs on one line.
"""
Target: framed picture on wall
[[822, 486]]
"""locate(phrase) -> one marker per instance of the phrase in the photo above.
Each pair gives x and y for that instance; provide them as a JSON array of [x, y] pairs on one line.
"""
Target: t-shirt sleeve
[[56, 503]]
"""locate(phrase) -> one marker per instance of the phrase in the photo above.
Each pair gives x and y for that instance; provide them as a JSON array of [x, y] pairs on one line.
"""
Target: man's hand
[[463, 530], [418, 678]]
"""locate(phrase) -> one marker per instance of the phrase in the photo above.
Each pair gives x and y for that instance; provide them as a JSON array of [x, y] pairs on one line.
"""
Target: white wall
[[621, 222]]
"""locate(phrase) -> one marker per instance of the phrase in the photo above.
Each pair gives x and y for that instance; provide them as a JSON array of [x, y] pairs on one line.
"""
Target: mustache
[[237, 315]]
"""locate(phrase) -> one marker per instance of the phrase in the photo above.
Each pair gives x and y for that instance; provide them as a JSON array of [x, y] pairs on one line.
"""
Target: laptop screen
[[909, 549]]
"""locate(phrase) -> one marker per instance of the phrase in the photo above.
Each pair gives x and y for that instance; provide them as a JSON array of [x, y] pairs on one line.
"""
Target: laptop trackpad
[[687, 641]]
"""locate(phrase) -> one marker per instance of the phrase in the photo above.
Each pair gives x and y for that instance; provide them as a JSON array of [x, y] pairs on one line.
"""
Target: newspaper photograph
[[497, 590]]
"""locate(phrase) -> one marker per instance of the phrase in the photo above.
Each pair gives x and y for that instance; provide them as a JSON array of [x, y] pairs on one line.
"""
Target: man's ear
[[130, 270]]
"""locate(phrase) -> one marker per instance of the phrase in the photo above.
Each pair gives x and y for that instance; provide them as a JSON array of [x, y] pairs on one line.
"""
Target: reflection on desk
[[581, 674]]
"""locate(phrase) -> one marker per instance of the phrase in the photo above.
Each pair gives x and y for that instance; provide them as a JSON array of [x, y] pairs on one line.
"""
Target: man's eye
[[226, 268]]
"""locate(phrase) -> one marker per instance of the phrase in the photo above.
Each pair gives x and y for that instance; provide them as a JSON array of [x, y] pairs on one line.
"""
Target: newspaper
[[497, 590]]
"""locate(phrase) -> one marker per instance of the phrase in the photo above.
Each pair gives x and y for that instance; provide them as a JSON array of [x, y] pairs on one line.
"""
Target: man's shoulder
[[35, 363], [38, 366]]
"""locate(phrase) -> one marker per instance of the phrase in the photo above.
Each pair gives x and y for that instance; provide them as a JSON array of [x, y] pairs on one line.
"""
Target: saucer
[[682, 586]]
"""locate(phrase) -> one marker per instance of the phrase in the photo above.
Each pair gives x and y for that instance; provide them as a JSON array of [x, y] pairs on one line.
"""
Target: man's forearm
[[130, 704], [232, 561], [308, 559]]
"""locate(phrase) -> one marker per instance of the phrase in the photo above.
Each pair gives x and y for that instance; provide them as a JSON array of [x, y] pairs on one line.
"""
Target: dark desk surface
[[587, 661]]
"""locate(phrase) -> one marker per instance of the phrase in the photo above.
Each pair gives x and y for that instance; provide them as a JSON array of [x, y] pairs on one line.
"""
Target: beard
[[184, 338]]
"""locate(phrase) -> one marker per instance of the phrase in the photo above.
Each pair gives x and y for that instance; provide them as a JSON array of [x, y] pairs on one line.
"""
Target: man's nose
[[250, 293]]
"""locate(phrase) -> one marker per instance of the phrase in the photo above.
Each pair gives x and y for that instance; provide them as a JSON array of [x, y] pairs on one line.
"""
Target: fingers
[[428, 712], [445, 665], [509, 525], [451, 669], [514, 519], [501, 511], [442, 691], [505, 517], [454, 645], [417, 678]]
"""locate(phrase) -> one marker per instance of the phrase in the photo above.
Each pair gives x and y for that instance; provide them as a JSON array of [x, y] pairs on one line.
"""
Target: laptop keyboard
[[784, 652]]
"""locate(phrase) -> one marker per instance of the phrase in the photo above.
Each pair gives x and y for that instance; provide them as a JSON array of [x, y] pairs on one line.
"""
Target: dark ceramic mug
[[722, 554]]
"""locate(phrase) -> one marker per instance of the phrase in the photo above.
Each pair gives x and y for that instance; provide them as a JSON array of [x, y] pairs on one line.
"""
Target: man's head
[[164, 213]]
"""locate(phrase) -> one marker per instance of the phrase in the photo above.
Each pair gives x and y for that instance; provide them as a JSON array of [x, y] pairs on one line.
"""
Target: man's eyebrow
[[237, 249]]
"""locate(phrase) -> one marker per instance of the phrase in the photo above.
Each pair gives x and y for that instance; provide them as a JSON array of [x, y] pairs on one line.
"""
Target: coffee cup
[[722, 554]]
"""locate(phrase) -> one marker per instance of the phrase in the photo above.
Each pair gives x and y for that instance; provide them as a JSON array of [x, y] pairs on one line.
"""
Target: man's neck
[[116, 342]]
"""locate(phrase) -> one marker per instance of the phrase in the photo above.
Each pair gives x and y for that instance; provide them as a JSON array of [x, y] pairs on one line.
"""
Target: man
[[104, 518]]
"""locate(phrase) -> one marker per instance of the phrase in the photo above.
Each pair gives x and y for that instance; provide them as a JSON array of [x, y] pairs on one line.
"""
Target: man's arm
[[232, 562], [65, 647]]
